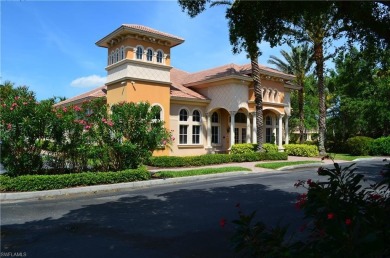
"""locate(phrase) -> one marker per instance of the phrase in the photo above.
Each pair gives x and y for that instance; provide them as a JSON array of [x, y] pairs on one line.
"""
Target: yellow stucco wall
[[154, 93]]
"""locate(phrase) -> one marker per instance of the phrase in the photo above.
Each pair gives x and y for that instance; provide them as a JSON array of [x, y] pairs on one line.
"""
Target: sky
[[49, 46]]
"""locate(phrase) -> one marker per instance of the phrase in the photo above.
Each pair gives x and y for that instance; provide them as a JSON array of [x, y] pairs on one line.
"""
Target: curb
[[310, 165], [37, 195]]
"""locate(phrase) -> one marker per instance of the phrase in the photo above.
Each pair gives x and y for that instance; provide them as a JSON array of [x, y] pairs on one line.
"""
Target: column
[[287, 138], [254, 128], [208, 117], [280, 145], [248, 129], [232, 125]]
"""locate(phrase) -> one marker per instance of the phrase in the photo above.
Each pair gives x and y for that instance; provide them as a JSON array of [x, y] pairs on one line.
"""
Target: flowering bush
[[345, 218], [37, 137]]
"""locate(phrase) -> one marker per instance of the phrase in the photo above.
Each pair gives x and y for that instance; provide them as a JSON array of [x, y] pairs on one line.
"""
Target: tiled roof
[[150, 30], [228, 70], [95, 93], [177, 88]]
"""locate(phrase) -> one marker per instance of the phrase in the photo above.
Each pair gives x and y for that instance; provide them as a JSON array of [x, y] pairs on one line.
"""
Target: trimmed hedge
[[359, 145], [50, 182], [380, 146], [212, 159], [302, 150], [244, 148]]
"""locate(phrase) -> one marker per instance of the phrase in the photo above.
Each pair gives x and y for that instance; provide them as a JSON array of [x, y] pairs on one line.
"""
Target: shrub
[[302, 150], [342, 219], [380, 146], [359, 145], [49, 182], [244, 148], [212, 159]]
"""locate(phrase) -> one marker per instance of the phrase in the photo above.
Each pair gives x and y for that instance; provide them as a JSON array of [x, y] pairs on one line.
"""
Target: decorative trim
[[190, 146]]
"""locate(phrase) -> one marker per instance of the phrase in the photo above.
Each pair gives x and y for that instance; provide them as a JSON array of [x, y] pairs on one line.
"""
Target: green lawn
[[196, 172], [276, 165], [342, 156]]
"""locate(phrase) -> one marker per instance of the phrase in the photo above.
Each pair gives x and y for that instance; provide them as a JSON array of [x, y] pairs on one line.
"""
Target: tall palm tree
[[298, 62]]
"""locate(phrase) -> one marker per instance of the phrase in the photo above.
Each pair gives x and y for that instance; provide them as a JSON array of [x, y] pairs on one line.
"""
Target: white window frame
[[139, 51]]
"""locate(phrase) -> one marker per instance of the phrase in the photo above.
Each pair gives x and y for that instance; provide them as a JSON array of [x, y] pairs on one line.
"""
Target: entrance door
[[239, 135]]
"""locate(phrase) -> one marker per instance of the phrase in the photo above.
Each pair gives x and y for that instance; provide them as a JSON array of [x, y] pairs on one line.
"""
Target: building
[[209, 110]]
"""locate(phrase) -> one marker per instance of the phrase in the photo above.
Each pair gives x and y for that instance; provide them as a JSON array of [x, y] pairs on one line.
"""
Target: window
[[149, 55], [139, 53], [183, 115], [215, 134], [214, 118], [243, 135], [215, 128], [122, 53], [240, 118], [268, 135], [268, 120], [196, 116], [117, 55], [159, 56], [112, 57], [195, 134], [236, 136], [183, 134], [158, 115]]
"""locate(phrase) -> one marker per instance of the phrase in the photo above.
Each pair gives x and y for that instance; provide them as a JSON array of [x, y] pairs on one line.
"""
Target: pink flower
[[25, 103], [330, 215], [348, 221], [17, 97], [76, 108], [64, 109], [164, 142], [11, 109], [14, 104], [109, 123], [173, 138], [9, 126]]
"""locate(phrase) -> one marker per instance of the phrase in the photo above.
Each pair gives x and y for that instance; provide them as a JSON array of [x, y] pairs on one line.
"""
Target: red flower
[[348, 221], [330, 215], [222, 222], [301, 201]]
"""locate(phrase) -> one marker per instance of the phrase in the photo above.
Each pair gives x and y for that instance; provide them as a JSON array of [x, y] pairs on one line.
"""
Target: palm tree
[[298, 62]]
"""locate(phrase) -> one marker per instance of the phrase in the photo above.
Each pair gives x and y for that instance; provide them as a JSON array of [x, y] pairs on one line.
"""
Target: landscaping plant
[[344, 219]]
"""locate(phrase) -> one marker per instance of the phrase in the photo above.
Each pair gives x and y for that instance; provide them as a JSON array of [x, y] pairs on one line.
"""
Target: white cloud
[[88, 81]]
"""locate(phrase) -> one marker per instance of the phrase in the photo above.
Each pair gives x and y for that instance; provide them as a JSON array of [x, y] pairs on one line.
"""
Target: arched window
[[215, 129], [149, 55], [240, 118], [122, 52], [112, 56], [159, 114], [183, 115], [139, 53], [196, 116], [159, 56], [196, 127], [268, 120], [116, 55]]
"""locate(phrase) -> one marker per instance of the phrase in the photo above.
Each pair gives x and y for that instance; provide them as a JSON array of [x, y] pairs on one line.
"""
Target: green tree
[[251, 23], [298, 62], [361, 93]]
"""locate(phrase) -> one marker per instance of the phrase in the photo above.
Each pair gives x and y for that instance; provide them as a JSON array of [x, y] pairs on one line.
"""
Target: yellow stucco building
[[209, 110]]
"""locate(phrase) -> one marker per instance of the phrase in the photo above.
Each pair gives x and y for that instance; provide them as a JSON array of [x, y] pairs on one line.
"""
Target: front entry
[[240, 134]]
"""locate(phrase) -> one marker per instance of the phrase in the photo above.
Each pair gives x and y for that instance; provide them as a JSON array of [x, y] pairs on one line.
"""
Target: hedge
[[302, 150], [212, 159], [244, 148], [380, 146], [50, 182], [359, 145]]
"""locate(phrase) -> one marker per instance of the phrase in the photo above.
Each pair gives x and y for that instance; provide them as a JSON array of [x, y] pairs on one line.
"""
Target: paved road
[[179, 220]]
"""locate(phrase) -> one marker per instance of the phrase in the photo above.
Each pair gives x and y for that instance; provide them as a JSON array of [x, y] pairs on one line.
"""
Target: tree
[[298, 62], [360, 106], [251, 23]]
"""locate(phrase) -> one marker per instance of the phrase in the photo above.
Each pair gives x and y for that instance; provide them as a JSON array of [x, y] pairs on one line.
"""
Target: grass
[[349, 157], [276, 165], [196, 172]]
